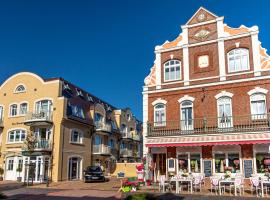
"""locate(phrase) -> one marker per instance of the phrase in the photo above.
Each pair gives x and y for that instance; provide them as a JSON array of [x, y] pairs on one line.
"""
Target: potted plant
[[1, 173], [19, 170]]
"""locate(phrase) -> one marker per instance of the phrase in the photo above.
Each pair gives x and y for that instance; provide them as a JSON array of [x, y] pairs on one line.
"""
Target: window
[[186, 115], [99, 118], [258, 106], [123, 128], [1, 113], [195, 163], [23, 108], [98, 140], [77, 111], [76, 136], [224, 112], [19, 89], [159, 115], [172, 70], [79, 92], [111, 143], [10, 164], [262, 162], [128, 117], [223, 160], [183, 163], [238, 60], [123, 145], [114, 125], [43, 106], [13, 110], [15, 136]]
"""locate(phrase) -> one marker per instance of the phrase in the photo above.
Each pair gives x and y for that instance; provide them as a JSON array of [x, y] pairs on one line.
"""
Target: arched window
[[186, 115], [13, 110], [258, 106], [20, 88], [172, 70], [224, 112], [160, 115], [238, 60]]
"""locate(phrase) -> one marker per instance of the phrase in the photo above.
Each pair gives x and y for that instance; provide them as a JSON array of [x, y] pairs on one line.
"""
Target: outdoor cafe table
[[264, 182], [226, 181], [181, 180]]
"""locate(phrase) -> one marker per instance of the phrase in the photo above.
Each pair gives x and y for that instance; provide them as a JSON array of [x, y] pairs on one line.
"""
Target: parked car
[[93, 173]]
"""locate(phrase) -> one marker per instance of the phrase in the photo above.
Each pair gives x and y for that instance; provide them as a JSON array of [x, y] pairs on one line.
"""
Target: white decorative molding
[[184, 35], [257, 90], [256, 54], [237, 44], [186, 65], [224, 94], [220, 27], [221, 60], [145, 120], [158, 70], [171, 56], [186, 98], [159, 100]]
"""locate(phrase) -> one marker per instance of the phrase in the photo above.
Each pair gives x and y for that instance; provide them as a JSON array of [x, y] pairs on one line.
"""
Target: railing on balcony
[[44, 144], [38, 117], [101, 149], [212, 125], [126, 153], [126, 134], [103, 126]]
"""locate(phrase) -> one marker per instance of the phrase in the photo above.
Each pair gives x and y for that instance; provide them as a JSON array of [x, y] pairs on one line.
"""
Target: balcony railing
[[126, 153], [101, 149], [214, 125], [103, 126], [44, 144], [41, 118], [126, 134]]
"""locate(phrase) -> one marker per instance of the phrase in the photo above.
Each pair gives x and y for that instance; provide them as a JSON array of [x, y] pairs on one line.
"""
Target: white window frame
[[189, 163], [14, 132], [80, 136], [242, 50], [16, 90], [20, 110], [183, 126], [220, 124], [11, 110], [169, 66], [262, 98], [1, 113], [157, 123], [227, 160]]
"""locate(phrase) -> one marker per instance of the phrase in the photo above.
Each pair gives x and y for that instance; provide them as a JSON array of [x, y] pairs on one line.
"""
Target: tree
[[30, 142]]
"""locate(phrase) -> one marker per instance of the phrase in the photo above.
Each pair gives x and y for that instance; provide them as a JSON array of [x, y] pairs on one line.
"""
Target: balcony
[[105, 127], [41, 145], [38, 119], [135, 136], [214, 125], [126, 135], [126, 153], [101, 150]]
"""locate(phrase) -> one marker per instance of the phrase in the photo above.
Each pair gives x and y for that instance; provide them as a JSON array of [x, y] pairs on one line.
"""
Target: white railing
[[103, 126], [101, 149], [126, 134], [126, 153], [38, 116]]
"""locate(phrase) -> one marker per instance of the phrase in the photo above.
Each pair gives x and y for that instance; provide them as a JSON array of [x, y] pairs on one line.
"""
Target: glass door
[[224, 113], [186, 115]]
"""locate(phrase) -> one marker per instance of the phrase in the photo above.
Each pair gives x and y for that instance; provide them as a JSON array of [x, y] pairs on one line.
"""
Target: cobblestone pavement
[[73, 190]]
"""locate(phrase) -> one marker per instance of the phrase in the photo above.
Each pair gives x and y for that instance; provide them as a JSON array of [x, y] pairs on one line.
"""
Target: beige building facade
[[62, 122]]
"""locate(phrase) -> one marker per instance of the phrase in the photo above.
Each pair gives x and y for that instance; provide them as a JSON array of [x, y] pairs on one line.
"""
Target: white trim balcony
[[101, 126], [101, 150], [38, 119], [126, 153]]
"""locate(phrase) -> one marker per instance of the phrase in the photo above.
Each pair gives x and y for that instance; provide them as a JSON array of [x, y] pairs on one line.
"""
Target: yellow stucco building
[[70, 128]]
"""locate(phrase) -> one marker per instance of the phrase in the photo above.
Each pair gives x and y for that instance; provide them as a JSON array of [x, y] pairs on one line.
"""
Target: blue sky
[[104, 46]]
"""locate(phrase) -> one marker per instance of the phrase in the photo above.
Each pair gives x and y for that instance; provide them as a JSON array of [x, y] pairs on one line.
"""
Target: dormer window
[[66, 87], [19, 89], [89, 98], [238, 60], [172, 70], [79, 93]]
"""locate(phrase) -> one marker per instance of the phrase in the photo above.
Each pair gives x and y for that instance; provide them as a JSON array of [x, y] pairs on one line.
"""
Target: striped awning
[[206, 140]]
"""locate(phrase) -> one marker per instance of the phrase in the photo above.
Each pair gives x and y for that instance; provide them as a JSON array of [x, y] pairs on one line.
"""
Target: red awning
[[206, 140]]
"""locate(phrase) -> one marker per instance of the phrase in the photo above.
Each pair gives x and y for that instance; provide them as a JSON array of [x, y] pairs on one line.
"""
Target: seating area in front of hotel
[[227, 184]]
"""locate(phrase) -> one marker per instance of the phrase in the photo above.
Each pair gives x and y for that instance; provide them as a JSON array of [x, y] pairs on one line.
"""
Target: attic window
[[109, 108], [66, 87], [79, 93], [89, 98], [19, 89]]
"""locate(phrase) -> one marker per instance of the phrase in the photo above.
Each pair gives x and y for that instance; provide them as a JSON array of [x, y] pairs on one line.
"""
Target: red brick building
[[206, 100]]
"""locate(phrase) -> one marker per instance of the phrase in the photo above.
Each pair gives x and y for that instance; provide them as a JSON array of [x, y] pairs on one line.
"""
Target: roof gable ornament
[[201, 15]]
